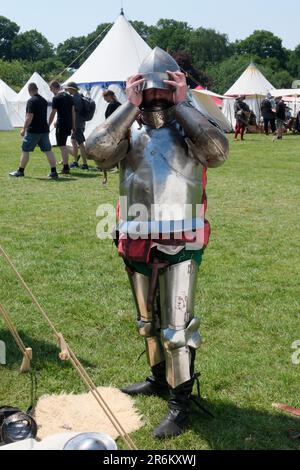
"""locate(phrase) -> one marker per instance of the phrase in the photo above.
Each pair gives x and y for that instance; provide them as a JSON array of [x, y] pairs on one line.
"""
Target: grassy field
[[247, 296]]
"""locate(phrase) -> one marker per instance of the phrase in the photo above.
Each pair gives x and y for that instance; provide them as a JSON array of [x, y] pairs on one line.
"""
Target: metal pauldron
[[108, 144], [205, 140]]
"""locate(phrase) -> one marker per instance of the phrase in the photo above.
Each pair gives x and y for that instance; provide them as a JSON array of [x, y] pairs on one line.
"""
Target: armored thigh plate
[[179, 327], [146, 322]]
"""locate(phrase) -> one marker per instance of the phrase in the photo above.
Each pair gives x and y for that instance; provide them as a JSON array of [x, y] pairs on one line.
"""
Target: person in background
[[280, 117], [78, 138], [268, 114], [63, 106], [113, 105], [241, 113], [36, 132]]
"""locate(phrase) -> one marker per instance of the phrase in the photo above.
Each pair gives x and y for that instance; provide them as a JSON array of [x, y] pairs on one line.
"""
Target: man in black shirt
[[113, 104], [268, 114], [280, 117], [77, 137], [36, 132], [63, 105]]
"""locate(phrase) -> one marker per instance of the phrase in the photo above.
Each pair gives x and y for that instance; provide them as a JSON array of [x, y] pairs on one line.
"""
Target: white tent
[[23, 96], [11, 98], [5, 122], [254, 85], [204, 102], [118, 56]]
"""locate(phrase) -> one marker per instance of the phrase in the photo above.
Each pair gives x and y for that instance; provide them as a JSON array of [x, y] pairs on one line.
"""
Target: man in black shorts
[[78, 138], [36, 132], [63, 105]]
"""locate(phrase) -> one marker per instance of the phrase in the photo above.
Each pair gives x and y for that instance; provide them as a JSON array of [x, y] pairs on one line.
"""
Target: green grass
[[247, 296]]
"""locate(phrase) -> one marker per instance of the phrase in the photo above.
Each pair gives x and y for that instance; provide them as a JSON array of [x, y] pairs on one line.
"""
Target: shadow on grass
[[49, 180], [236, 428], [44, 353], [86, 175]]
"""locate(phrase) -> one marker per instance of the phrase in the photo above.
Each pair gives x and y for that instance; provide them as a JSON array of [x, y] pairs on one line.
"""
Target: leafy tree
[[8, 32], [50, 68], [293, 65], [282, 79], [14, 73], [31, 46], [263, 44], [170, 35], [208, 47], [68, 51]]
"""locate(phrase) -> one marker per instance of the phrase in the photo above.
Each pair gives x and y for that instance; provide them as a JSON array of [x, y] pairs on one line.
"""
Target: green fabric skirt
[[183, 255]]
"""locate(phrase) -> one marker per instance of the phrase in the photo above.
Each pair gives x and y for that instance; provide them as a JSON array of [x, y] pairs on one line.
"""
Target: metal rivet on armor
[[153, 152]]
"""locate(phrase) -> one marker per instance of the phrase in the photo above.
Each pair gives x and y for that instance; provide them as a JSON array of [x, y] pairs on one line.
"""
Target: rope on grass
[[26, 352], [67, 354]]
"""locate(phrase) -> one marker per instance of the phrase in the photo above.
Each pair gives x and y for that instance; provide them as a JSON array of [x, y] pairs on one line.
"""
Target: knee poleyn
[[175, 339]]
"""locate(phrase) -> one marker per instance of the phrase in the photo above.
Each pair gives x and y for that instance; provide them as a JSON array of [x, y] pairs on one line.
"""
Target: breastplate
[[160, 183]]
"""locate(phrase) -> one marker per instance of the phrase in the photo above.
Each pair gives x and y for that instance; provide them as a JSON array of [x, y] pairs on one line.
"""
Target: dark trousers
[[272, 124], [239, 129]]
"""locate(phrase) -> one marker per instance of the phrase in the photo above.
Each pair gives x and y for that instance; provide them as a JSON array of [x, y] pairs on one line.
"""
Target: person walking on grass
[[280, 117], [268, 114], [113, 105], [241, 113], [36, 132], [78, 138], [63, 106]]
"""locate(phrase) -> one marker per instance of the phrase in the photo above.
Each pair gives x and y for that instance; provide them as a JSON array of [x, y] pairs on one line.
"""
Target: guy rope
[[66, 354]]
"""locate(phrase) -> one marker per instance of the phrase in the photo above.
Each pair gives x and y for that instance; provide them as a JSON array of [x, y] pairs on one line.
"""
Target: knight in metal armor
[[161, 230]]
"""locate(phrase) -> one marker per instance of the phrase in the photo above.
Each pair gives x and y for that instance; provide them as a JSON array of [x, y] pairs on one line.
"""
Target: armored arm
[[108, 144], [205, 141]]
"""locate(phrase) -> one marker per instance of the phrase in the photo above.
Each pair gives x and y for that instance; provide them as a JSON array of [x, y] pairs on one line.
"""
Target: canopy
[[44, 90], [118, 56], [254, 85], [218, 99], [251, 83], [5, 122], [10, 98]]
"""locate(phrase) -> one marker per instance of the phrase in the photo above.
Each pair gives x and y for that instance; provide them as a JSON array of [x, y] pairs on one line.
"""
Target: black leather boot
[[177, 418], [153, 385]]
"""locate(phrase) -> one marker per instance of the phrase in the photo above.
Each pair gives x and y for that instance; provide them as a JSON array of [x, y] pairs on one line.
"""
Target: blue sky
[[60, 19]]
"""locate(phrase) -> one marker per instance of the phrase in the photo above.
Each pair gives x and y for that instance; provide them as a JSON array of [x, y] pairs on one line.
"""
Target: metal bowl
[[91, 441]]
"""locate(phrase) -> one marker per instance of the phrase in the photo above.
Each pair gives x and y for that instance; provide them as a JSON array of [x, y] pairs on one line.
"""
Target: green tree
[[170, 35], [50, 68], [8, 32], [293, 64], [31, 46], [282, 79], [14, 73], [68, 51], [207, 46], [263, 44]]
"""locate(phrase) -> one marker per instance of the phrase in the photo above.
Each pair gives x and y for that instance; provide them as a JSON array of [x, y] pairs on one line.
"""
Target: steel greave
[[146, 323]]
